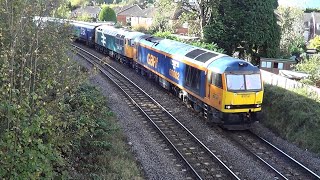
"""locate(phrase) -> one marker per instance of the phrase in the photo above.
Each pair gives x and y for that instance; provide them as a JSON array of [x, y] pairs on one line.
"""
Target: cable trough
[[202, 162]]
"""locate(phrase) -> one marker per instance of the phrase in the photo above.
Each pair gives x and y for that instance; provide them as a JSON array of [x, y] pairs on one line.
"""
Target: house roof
[[277, 60], [119, 9], [148, 12], [87, 9], [307, 17], [130, 10], [136, 11]]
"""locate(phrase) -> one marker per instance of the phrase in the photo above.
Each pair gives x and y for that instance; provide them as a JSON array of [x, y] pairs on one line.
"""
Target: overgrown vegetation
[[50, 124], [312, 67], [98, 148], [293, 115]]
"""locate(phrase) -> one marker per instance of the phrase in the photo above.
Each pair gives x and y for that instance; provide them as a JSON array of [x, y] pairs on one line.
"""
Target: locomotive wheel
[[197, 108]]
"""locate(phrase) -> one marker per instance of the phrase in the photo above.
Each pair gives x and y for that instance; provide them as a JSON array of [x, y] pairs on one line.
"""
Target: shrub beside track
[[294, 115]]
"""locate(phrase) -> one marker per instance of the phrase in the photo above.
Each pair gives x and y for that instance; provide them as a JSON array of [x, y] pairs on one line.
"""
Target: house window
[[268, 64], [263, 64], [275, 65], [128, 19], [280, 66]]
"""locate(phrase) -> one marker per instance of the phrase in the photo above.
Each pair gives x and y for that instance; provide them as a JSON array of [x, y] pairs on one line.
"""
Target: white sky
[[300, 3]]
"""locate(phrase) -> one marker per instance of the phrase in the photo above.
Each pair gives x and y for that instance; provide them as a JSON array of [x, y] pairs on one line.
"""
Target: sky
[[301, 3]]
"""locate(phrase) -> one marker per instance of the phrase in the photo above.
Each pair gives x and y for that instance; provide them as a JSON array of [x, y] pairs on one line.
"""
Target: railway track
[[282, 165], [202, 162]]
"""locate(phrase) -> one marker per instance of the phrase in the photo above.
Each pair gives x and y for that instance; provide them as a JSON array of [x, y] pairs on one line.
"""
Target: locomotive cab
[[130, 44], [236, 91]]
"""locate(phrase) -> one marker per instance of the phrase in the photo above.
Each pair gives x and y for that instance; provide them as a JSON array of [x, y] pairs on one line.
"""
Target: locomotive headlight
[[258, 105], [228, 107]]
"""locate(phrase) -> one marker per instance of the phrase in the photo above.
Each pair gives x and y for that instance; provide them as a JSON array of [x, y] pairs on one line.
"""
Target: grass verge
[[102, 152], [294, 115]]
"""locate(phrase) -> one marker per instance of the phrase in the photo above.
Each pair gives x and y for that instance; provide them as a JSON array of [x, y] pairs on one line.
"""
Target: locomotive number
[[174, 74], [152, 60]]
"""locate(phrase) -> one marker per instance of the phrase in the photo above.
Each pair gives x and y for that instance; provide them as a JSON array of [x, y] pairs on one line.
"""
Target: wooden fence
[[280, 81]]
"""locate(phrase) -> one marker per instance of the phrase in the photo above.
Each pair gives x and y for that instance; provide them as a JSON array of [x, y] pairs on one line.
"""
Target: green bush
[[293, 115], [107, 14], [139, 28], [209, 46], [312, 67], [315, 43], [166, 35]]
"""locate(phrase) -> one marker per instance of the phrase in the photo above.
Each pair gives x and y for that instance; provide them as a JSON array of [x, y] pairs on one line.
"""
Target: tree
[[249, 27], [309, 10], [107, 14], [312, 67], [202, 9], [35, 75], [165, 10], [63, 11], [193, 23], [291, 24], [78, 3]]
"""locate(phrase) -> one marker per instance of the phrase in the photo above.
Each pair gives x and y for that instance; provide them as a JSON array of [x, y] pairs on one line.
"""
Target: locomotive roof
[[227, 64], [133, 34], [111, 31], [85, 25], [178, 50]]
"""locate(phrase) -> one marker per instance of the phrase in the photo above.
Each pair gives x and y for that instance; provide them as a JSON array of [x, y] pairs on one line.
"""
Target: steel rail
[[163, 109], [291, 158], [280, 162]]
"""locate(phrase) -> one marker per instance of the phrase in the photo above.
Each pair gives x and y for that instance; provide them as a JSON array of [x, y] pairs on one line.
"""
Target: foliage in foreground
[[34, 77], [293, 115], [97, 147], [46, 122]]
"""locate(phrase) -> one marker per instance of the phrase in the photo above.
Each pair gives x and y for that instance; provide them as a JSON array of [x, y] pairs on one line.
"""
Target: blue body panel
[[111, 40], [228, 64], [84, 31], [164, 65], [106, 41], [111, 43]]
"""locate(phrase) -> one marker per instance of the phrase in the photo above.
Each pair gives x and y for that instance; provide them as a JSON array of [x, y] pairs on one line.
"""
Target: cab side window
[[217, 80]]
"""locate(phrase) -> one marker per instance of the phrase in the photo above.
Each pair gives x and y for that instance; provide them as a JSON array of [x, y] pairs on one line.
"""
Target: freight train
[[226, 90]]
